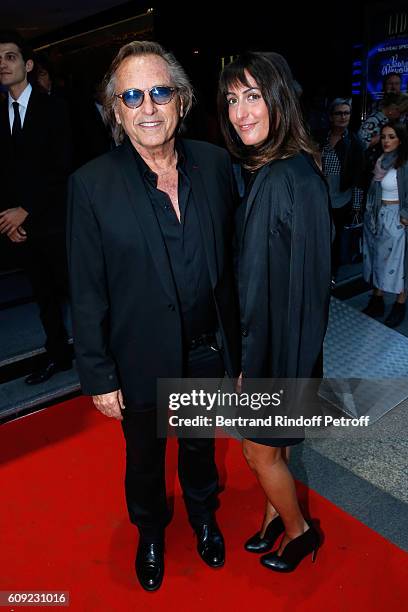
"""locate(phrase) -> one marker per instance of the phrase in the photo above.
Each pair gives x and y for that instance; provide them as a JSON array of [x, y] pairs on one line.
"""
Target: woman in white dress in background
[[385, 226]]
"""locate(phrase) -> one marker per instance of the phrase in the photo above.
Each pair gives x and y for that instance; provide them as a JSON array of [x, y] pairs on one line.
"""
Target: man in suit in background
[[149, 253], [92, 137], [35, 157]]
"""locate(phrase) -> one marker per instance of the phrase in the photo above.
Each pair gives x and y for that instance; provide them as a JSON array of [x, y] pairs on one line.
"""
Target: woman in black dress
[[284, 237]]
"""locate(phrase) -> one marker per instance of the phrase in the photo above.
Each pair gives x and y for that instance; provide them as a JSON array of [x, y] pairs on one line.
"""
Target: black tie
[[16, 129]]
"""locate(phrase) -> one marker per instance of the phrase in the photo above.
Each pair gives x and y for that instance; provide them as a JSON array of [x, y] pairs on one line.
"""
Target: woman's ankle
[[294, 533], [267, 520]]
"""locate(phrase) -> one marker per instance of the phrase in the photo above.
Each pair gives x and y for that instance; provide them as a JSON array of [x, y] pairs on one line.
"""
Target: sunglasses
[[159, 94]]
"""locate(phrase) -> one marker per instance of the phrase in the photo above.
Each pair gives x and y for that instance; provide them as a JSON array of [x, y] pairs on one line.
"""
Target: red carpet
[[65, 528]]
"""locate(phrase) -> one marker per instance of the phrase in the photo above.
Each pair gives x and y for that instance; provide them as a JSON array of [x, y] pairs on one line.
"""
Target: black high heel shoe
[[294, 552], [259, 544]]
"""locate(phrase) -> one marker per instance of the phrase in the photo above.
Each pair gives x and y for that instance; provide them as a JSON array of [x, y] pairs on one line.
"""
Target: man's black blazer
[[35, 174], [126, 318]]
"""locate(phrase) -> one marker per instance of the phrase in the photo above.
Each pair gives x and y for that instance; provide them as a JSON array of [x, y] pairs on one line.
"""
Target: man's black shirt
[[184, 244]]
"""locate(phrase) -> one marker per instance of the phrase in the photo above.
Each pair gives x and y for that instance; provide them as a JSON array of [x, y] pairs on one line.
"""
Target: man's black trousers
[[44, 261], [145, 461]]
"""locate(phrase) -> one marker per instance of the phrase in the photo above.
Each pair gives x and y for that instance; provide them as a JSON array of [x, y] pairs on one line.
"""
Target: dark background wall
[[317, 39], [316, 42]]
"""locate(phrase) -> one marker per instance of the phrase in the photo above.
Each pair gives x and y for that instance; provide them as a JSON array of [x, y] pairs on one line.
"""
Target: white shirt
[[390, 186], [23, 103]]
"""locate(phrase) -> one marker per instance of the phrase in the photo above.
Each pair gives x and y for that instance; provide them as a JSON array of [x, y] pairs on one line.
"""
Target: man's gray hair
[[178, 77]]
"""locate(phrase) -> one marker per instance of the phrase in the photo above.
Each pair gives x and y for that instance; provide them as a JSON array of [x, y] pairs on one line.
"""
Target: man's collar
[[145, 170], [23, 98], [181, 154]]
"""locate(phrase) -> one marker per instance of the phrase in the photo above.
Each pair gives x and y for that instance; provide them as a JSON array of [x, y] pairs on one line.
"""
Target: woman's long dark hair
[[287, 133], [402, 134]]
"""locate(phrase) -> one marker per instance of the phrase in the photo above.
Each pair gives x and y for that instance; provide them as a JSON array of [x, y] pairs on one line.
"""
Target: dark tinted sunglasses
[[133, 98]]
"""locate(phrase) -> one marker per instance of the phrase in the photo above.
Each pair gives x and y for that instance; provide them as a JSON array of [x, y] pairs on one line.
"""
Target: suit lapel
[[201, 199], [30, 123], [144, 212]]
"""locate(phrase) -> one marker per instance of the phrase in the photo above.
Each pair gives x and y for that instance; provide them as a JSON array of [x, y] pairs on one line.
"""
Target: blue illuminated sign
[[386, 57]]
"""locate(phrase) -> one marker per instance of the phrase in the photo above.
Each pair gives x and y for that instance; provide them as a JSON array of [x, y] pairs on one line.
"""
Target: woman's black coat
[[284, 270]]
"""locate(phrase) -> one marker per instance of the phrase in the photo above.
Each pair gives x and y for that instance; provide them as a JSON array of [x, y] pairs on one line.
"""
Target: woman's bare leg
[[270, 467], [270, 510]]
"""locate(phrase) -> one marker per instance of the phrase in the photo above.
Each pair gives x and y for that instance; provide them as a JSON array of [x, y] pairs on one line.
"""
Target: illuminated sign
[[386, 57]]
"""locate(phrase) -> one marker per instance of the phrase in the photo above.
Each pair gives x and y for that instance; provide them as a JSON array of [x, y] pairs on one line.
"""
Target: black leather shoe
[[210, 544], [45, 373], [259, 544], [149, 564], [294, 552]]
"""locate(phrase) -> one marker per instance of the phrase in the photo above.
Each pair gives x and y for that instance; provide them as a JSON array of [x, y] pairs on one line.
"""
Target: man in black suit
[[152, 287], [35, 160], [92, 137]]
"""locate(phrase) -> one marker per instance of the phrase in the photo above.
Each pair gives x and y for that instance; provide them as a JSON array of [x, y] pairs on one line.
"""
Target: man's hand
[[404, 221], [11, 219], [110, 404], [18, 235]]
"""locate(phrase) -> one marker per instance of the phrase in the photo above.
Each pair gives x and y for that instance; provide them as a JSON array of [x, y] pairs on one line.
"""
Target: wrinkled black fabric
[[284, 270]]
